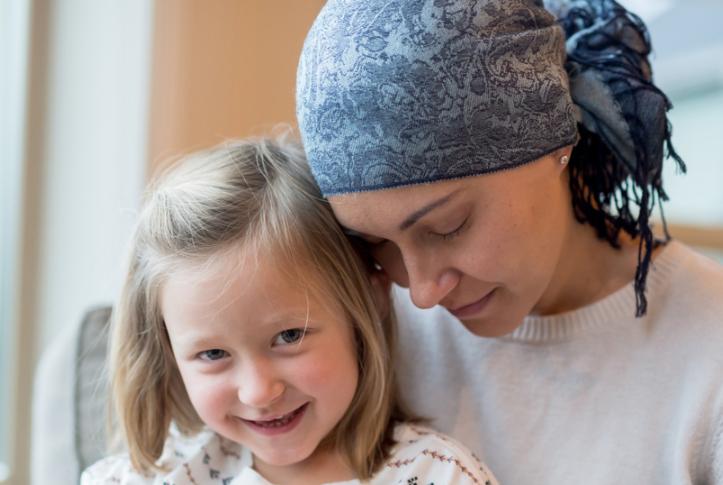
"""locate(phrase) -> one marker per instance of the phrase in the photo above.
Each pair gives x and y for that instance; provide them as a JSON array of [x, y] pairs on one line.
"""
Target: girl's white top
[[420, 457], [594, 396]]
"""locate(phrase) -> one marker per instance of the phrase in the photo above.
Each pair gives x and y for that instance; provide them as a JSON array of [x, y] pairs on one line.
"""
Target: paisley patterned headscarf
[[393, 93], [400, 92]]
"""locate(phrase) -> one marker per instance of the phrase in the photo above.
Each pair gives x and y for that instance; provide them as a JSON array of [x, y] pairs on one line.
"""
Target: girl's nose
[[259, 388]]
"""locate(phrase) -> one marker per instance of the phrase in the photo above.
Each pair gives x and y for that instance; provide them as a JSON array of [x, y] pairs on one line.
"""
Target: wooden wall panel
[[223, 68]]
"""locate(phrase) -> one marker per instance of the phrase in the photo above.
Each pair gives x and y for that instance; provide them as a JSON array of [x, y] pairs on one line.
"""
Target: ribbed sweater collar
[[618, 308]]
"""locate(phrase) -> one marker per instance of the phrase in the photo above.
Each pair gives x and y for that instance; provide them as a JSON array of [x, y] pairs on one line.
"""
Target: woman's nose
[[428, 278], [259, 387], [429, 281]]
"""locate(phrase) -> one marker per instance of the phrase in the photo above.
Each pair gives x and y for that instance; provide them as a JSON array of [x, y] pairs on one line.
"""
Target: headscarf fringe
[[610, 192]]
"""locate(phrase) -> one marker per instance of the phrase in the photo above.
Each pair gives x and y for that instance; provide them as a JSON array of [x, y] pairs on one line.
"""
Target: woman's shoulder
[[185, 459], [431, 457], [687, 281], [679, 257]]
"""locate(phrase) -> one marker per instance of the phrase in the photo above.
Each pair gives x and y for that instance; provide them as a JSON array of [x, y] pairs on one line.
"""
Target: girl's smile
[[279, 425]]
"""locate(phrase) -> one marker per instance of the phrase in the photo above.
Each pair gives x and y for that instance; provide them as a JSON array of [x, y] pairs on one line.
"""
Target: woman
[[505, 177]]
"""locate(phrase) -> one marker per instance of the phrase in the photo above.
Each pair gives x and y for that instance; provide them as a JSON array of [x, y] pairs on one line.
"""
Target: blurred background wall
[[223, 69], [96, 94]]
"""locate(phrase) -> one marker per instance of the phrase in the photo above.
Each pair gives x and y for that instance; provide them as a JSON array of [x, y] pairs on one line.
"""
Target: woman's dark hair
[[611, 190]]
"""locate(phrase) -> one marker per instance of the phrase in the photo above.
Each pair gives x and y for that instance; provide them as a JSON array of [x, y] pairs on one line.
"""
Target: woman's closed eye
[[212, 355], [290, 336], [451, 234]]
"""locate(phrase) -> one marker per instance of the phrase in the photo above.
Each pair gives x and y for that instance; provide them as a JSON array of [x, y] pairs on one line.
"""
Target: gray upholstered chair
[[70, 402]]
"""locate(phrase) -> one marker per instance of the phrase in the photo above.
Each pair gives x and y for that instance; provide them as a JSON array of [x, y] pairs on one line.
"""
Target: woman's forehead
[[387, 208], [359, 210]]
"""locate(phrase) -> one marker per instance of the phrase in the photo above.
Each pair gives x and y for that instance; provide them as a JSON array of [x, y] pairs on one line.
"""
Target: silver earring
[[564, 159]]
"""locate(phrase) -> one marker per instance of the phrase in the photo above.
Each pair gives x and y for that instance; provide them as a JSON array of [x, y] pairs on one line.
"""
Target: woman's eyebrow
[[414, 217]]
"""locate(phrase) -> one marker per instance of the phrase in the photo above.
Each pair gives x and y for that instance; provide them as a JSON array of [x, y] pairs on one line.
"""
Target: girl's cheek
[[326, 371], [309, 371], [210, 395]]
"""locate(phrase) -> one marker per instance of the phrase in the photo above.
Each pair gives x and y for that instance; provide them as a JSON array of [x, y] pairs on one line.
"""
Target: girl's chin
[[274, 458]]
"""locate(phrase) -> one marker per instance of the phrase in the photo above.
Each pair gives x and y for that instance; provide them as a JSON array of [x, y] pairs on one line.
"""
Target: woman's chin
[[486, 327]]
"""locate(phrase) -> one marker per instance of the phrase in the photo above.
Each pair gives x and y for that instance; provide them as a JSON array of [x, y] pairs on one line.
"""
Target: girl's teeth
[[276, 423]]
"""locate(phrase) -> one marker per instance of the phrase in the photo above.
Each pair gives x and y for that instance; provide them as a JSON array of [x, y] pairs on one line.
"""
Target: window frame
[[16, 344]]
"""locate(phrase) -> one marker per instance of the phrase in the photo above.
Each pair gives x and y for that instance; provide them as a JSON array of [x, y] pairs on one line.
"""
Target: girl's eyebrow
[[414, 217], [281, 321], [197, 340]]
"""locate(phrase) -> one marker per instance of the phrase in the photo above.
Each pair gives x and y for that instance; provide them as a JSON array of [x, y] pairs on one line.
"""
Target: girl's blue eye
[[290, 336], [213, 354]]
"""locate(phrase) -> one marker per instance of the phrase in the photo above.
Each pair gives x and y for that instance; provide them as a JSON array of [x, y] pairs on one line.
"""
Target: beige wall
[[223, 68]]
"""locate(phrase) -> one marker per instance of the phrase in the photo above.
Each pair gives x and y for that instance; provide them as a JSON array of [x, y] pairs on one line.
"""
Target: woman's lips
[[280, 425], [472, 309]]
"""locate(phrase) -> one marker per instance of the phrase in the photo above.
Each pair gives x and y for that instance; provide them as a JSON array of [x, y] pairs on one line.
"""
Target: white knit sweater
[[593, 396]]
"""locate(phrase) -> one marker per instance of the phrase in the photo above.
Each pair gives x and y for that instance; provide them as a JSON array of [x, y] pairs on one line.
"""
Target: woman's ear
[[381, 286]]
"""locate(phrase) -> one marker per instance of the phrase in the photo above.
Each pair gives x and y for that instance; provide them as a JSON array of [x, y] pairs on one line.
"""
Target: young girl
[[247, 345], [503, 165]]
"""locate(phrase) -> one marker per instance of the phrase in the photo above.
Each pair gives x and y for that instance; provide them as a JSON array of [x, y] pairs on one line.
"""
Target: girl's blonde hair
[[257, 192]]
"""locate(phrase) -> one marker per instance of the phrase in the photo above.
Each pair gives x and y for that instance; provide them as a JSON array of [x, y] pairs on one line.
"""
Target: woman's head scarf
[[399, 92], [393, 93]]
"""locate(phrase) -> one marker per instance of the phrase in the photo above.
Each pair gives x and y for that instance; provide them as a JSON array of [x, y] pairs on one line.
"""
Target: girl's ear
[[381, 285]]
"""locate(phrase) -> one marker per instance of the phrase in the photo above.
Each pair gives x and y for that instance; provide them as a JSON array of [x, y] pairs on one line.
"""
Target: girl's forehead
[[237, 282], [204, 267], [258, 265]]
